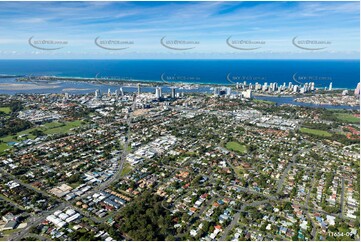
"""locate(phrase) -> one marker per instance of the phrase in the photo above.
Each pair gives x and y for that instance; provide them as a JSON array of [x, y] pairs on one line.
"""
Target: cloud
[[209, 22]]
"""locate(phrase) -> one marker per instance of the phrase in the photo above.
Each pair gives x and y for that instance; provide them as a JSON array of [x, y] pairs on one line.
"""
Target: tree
[[287, 206], [37, 132], [170, 238], [74, 178], [145, 219]]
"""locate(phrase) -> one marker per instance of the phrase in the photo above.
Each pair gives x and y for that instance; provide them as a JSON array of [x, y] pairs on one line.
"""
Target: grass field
[[74, 185], [236, 147], [347, 117], [3, 146], [6, 110], [48, 128], [126, 169], [316, 132], [62, 129], [239, 170]]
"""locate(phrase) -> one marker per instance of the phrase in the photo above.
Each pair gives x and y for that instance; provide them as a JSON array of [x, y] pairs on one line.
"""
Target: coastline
[[21, 87], [88, 85], [134, 82], [117, 82]]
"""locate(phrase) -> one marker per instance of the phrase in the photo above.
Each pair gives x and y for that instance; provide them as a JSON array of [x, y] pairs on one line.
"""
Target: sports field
[[48, 128], [317, 132], [347, 117], [235, 146]]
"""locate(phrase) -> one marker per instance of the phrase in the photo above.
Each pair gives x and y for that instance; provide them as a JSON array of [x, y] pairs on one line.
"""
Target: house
[[217, 229], [268, 227], [330, 219], [193, 233]]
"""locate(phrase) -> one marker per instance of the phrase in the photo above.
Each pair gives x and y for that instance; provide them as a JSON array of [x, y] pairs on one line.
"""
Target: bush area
[[12, 126], [145, 219]]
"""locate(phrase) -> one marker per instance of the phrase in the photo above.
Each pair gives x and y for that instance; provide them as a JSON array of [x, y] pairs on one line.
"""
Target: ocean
[[342, 73]]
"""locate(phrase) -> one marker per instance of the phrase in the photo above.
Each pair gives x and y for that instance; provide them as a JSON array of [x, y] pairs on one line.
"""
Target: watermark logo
[[308, 44], [242, 78], [245, 44], [178, 78], [178, 44], [309, 78], [100, 78], [113, 44], [47, 44]]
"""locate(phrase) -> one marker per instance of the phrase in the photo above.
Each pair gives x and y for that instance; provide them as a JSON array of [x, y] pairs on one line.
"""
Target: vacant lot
[[235, 146], [316, 132]]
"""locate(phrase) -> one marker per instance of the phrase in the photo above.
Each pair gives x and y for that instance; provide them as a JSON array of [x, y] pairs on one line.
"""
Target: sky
[[179, 30]]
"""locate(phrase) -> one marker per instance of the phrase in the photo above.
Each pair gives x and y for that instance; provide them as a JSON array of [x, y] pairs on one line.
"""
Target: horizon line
[[197, 59]]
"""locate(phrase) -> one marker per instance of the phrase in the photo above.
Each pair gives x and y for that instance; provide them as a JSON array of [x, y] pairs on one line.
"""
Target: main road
[[63, 204]]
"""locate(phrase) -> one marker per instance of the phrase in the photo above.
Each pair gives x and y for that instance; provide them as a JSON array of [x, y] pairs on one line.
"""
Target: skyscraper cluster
[[274, 87]]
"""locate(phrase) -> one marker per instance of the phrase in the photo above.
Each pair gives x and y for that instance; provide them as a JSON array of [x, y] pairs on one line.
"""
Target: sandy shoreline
[[21, 87], [76, 89]]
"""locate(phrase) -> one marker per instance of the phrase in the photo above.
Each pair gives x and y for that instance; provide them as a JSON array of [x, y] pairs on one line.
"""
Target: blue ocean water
[[342, 73]]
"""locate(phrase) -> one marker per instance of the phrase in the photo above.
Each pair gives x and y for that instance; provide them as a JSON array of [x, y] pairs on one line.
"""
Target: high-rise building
[[109, 94], [98, 94], [295, 88], [121, 91], [357, 90], [265, 86], [228, 91], [172, 89], [247, 94], [312, 86], [158, 92], [275, 86], [138, 88], [330, 87], [305, 87], [216, 91], [66, 97]]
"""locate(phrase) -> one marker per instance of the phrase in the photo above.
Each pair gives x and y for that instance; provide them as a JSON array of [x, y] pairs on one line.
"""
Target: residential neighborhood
[[176, 167]]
